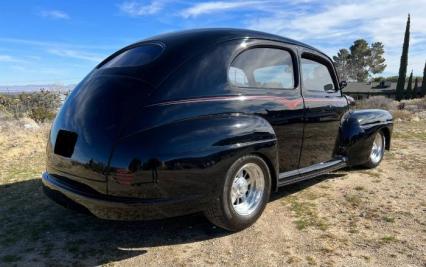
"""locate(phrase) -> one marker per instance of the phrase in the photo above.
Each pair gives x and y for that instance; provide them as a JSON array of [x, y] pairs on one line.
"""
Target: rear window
[[136, 56]]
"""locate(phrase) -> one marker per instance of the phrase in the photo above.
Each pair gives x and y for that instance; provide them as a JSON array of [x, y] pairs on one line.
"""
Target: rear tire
[[377, 151], [243, 195]]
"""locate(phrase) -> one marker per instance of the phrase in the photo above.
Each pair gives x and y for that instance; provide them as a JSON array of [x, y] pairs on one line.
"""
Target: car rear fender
[[187, 157], [357, 133]]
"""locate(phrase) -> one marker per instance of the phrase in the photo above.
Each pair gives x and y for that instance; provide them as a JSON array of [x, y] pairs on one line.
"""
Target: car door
[[267, 72], [324, 108]]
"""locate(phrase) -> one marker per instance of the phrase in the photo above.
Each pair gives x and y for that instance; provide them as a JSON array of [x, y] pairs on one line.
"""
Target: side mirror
[[328, 87], [343, 84], [351, 100]]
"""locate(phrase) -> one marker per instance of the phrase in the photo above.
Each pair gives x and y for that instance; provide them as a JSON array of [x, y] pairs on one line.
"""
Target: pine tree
[[361, 61], [416, 88], [423, 90], [361, 53], [409, 91], [403, 64], [343, 64]]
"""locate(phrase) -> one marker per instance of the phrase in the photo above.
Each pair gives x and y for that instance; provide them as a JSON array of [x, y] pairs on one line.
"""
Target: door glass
[[262, 68], [274, 77], [316, 76]]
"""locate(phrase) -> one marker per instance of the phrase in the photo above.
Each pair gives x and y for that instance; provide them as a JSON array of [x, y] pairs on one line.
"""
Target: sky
[[60, 41]]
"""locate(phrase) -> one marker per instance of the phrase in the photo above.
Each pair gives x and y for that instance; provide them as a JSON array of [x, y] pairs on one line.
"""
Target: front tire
[[377, 151], [243, 195]]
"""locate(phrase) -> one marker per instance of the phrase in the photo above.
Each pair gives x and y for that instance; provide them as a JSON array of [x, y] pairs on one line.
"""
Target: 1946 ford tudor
[[206, 121]]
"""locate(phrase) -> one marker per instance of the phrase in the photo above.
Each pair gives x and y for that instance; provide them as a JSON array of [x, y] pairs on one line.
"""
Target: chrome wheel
[[378, 148], [247, 189]]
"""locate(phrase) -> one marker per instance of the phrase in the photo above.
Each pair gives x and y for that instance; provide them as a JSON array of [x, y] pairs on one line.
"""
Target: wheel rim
[[377, 149], [247, 189]]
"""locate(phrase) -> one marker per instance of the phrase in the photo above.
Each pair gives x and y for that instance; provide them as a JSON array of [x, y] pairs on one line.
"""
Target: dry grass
[[381, 102], [405, 110], [306, 214], [349, 218], [22, 151]]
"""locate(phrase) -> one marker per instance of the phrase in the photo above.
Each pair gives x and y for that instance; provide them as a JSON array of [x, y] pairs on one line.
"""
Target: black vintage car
[[207, 120]]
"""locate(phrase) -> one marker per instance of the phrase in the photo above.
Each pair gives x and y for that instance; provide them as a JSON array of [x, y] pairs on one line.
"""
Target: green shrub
[[40, 106], [40, 114]]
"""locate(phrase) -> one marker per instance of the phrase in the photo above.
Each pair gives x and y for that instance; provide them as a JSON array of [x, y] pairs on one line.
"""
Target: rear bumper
[[117, 208]]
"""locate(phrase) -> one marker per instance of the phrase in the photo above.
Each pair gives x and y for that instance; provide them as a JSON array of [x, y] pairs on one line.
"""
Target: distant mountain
[[35, 87]]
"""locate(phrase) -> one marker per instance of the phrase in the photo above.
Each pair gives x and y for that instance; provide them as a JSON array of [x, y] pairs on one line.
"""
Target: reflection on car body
[[205, 120]]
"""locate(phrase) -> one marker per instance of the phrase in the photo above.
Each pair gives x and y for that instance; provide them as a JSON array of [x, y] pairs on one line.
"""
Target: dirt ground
[[348, 218]]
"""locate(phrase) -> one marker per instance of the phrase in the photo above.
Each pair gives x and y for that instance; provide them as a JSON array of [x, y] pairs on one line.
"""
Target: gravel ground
[[348, 218]]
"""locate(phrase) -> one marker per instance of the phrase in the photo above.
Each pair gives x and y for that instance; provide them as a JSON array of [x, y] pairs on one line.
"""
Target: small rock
[[415, 118], [28, 123]]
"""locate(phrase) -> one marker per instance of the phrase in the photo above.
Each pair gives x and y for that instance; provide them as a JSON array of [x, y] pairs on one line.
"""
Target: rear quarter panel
[[186, 158], [358, 131]]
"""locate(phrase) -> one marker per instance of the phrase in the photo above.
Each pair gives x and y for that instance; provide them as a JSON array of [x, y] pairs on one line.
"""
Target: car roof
[[183, 45], [214, 35]]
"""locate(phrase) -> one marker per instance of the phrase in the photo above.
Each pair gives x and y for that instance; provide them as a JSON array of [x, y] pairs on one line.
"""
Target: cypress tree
[[423, 90], [416, 88], [403, 64], [409, 91]]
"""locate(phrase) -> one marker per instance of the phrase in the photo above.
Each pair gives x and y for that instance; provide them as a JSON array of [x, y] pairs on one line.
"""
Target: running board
[[306, 173]]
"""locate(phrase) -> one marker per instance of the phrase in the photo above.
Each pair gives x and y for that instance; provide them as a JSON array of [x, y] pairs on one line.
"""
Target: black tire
[[373, 163], [221, 211]]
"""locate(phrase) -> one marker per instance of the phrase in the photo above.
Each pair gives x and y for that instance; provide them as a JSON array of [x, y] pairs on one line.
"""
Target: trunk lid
[[89, 123]]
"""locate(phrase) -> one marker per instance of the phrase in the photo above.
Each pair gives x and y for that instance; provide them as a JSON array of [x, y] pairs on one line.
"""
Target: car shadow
[[36, 230], [293, 188]]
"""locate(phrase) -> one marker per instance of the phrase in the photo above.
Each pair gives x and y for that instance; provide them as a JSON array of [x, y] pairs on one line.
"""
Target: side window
[[263, 68], [316, 76], [238, 77]]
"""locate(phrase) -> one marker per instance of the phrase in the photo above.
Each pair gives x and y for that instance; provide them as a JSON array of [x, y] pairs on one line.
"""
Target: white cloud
[[133, 8], [6, 58], [76, 54], [31, 42], [210, 7], [334, 24], [91, 53], [10, 59], [337, 24], [54, 14]]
